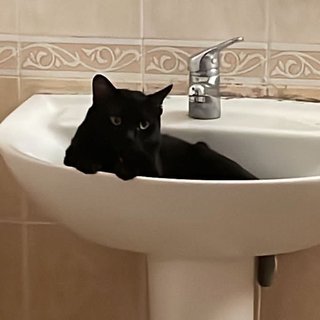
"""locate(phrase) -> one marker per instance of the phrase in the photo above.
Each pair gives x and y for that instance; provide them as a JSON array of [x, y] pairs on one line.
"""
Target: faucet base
[[203, 111]]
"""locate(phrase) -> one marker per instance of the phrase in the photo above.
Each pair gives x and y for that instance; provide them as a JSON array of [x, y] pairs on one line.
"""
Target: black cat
[[121, 134]]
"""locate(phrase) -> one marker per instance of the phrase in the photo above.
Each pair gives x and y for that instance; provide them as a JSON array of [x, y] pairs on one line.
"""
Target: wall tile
[[294, 71], [295, 292], [294, 64], [10, 196], [36, 214], [234, 62], [294, 92], [154, 84], [294, 21], [71, 278], [11, 272], [8, 57], [168, 59], [30, 86], [79, 57], [106, 18], [206, 19], [167, 63], [9, 93], [8, 16]]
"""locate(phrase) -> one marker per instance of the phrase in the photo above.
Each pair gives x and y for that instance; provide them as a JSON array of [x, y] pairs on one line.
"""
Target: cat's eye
[[143, 125], [116, 121]]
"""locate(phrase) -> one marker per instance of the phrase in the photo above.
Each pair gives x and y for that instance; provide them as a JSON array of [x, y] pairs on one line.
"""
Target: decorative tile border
[[167, 59], [234, 62], [243, 62], [295, 65], [80, 57], [166, 62], [153, 63], [8, 58]]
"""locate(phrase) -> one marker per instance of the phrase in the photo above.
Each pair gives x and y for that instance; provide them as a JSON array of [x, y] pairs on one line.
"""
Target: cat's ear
[[158, 97], [102, 88]]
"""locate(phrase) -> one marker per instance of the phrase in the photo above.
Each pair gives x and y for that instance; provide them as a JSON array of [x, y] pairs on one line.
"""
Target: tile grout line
[[268, 26], [21, 222], [60, 40], [142, 61], [25, 273], [25, 262], [18, 14], [141, 19]]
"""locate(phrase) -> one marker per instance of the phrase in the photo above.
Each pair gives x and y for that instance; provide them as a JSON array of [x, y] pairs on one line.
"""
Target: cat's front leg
[[81, 161]]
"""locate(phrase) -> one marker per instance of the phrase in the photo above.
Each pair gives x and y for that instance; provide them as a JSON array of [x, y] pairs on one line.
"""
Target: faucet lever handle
[[195, 63]]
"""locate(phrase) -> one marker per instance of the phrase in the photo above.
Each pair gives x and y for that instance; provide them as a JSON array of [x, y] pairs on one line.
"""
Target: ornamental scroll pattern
[[167, 60], [79, 57], [158, 59], [295, 65], [8, 55], [173, 60], [242, 62]]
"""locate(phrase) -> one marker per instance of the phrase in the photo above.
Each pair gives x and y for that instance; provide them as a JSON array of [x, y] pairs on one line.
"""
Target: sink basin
[[278, 141], [183, 224]]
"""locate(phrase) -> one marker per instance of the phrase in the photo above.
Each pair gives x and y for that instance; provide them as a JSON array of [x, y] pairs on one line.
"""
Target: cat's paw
[[86, 168], [81, 163], [125, 174]]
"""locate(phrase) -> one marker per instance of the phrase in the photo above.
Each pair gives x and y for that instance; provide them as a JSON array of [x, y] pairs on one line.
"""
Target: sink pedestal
[[201, 289]]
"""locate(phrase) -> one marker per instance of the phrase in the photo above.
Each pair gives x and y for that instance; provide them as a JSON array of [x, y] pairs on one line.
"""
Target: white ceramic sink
[[176, 221]]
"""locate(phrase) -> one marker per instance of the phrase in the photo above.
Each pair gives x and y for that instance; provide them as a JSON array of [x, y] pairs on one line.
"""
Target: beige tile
[[11, 272], [179, 86], [8, 16], [205, 20], [30, 86], [166, 59], [294, 21], [166, 64], [8, 57], [294, 64], [10, 195], [226, 89], [295, 292], [73, 279], [244, 63], [294, 74], [106, 18], [37, 214], [9, 95], [243, 90], [294, 92], [80, 57]]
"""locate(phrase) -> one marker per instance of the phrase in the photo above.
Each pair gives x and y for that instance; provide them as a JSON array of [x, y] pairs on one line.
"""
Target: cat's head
[[129, 121]]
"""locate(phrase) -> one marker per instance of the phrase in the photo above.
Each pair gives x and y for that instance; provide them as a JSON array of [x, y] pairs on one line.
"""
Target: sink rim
[[200, 126], [17, 153]]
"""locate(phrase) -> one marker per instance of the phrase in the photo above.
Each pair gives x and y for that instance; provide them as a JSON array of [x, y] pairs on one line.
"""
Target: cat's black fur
[[134, 146]]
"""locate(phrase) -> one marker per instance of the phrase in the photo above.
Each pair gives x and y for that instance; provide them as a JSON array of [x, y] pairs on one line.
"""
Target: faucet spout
[[204, 81]]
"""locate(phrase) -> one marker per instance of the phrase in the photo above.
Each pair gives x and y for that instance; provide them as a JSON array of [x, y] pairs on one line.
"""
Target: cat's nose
[[131, 135]]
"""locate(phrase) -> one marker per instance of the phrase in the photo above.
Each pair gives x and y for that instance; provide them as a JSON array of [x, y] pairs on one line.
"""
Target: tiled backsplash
[[56, 46], [156, 62], [147, 43]]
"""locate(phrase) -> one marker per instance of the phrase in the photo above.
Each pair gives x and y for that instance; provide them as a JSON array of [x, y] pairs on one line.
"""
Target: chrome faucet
[[204, 82]]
